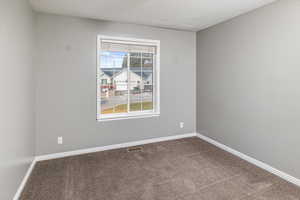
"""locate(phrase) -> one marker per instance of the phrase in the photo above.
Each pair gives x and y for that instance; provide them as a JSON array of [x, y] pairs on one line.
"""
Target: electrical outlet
[[60, 140], [181, 124]]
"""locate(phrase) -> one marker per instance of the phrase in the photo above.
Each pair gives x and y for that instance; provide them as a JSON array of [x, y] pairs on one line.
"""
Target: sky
[[112, 59]]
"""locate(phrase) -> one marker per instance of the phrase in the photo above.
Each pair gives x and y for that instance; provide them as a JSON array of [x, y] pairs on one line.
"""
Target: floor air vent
[[135, 149]]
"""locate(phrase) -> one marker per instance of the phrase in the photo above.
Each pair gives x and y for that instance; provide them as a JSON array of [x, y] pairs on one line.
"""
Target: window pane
[[113, 76], [126, 77], [135, 82], [147, 92]]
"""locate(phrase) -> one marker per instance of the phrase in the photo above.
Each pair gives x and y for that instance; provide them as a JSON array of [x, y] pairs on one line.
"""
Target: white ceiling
[[191, 15]]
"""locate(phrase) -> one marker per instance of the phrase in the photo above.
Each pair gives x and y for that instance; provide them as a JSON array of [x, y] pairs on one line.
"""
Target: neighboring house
[[148, 79], [120, 81], [105, 79]]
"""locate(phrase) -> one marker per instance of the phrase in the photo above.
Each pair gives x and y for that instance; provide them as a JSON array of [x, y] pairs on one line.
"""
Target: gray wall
[[248, 84], [66, 84], [17, 141]]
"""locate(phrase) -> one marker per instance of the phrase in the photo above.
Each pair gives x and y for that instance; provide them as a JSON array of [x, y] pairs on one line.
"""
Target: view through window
[[127, 77]]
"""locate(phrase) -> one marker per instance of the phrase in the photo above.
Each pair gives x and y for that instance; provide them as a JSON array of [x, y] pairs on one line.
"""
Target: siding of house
[[120, 80]]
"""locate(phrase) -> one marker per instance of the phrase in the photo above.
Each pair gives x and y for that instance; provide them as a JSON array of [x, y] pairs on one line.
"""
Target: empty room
[[149, 100]]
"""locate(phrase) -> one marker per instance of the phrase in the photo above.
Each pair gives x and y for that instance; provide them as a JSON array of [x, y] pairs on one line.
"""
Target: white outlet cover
[[59, 140], [181, 124]]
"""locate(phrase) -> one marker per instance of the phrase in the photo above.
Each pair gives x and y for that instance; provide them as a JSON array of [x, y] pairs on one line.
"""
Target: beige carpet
[[186, 169]]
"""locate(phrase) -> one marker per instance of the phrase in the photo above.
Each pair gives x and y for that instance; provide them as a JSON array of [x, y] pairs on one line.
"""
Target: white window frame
[[156, 79]]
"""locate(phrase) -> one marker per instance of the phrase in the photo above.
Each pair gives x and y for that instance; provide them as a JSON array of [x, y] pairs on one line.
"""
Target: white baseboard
[[110, 147], [91, 150], [258, 163], [24, 181]]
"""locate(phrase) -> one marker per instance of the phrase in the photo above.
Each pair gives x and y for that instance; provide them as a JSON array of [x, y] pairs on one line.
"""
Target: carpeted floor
[[186, 169]]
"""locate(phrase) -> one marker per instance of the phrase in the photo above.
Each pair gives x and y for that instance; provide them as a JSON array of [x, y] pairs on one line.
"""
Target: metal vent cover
[[135, 149]]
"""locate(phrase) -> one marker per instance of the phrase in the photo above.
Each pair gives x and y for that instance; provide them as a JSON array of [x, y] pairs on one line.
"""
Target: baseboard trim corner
[[254, 161], [25, 179], [111, 147]]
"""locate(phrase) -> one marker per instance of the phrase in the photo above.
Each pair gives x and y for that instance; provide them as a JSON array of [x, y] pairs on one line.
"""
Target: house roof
[[114, 72], [110, 72], [145, 75]]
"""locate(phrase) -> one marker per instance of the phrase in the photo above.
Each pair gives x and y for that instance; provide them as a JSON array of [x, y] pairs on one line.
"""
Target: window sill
[[134, 116]]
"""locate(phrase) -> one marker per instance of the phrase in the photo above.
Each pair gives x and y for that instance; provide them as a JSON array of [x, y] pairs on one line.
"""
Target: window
[[127, 78], [104, 81]]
